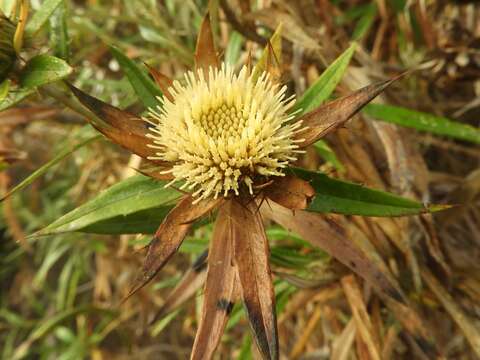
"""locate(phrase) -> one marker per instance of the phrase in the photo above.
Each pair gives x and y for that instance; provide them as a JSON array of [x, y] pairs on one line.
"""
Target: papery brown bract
[[252, 259], [330, 116], [163, 81], [205, 53], [219, 287], [290, 192], [123, 128], [170, 235]]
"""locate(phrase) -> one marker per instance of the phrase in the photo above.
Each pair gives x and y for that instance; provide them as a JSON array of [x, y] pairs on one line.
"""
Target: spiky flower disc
[[224, 131]]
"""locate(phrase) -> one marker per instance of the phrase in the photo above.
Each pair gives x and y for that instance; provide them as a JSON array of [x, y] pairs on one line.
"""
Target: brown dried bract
[[205, 53], [219, 287], [123, 128], [252, 259], [163, 81], [170, 235], [329, 117], [291, 192]]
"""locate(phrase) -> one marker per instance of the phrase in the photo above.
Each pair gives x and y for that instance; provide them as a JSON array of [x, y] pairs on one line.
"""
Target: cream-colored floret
[[222, 130]]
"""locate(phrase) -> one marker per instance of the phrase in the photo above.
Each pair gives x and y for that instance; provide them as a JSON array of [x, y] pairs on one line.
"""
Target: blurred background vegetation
[[60, 295]]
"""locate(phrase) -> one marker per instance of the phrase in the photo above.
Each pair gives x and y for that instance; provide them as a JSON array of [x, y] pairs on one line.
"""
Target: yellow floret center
[[224, 121]]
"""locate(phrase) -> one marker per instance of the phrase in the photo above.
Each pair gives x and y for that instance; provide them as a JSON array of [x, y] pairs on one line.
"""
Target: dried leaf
[[361, 316], [328, 117], [18, 116], [334, 239], [170, 235], [219, 287], [470, 331], [123, 128], [251, 257], [163, 81], [415, 325], [11, 156], [342, 344], [272, 17], [291, 192], [205, 54]]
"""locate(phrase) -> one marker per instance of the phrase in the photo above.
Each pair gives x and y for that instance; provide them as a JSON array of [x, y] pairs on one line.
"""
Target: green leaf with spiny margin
[[343, 197], [137, 204]]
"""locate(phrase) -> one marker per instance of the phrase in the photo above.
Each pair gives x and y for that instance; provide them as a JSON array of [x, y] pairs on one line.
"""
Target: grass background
[[60, 295]]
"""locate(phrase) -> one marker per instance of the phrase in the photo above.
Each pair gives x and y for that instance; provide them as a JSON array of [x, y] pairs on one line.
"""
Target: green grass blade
[[144, 87], [323, 87], [365, 22], [234, 46], [328, 155], [423, 121], [342, 197], [59, 33], [44, 168], [14, 96], [41, 16]]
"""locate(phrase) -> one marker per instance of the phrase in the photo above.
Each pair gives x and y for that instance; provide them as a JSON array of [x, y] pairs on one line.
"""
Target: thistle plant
[[229, 141]]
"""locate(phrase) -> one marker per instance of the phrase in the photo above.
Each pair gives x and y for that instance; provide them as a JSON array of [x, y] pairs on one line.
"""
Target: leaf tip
[[440, 207]]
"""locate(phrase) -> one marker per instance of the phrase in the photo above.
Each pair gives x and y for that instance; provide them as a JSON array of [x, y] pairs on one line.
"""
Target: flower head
[[224, 130]]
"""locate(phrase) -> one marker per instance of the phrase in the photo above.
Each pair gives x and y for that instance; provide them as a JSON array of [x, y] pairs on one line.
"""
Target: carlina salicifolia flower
[[226, 139]]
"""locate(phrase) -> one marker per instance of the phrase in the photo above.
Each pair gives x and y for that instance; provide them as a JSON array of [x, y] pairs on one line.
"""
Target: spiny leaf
[[423, 121], [219, 287], [251, 257], [332, 237], [123, 128], [343, 197], [131, 206], [170, 235], [323, 87], [334, 114], [145, 88], [205, 53]]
